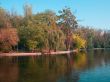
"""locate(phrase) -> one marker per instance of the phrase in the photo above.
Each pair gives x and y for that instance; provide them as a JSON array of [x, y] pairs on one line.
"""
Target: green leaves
[[67, 18], [41, 32]]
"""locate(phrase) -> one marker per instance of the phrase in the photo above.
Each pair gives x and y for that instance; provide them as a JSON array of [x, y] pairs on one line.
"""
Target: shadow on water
[[56, 68]]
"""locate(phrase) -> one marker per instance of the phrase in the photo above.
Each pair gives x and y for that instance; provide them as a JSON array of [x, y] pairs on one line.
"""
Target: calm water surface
[[90, 66]]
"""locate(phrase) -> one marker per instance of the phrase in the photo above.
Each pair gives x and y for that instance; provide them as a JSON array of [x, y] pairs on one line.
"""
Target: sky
[[93, 13]]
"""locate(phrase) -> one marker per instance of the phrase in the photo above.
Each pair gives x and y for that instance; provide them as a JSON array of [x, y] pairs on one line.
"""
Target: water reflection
[[8, 71], [63, 68]]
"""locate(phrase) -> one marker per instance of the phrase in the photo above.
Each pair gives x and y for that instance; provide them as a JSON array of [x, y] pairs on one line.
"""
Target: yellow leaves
[[9, 35], [78, 41], [81, 62]]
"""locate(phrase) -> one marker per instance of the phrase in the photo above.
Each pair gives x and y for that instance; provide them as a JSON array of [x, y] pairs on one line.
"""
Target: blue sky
[[94, 13]]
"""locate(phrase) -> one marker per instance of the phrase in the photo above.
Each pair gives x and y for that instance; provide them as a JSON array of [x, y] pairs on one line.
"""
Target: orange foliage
[[9, 35]]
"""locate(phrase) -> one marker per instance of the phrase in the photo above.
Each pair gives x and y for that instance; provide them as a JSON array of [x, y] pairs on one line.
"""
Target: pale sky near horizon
[[94, 13]]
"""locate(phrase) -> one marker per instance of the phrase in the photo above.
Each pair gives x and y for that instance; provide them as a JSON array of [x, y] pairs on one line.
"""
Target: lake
[[90, 66]]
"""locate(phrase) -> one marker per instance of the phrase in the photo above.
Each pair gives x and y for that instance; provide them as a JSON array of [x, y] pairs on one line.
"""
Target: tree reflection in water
[[56, 68], [9, 72], [71, 75]]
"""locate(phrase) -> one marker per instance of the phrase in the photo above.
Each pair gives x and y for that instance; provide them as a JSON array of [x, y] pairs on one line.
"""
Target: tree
[[8, 34], [40, 32], [68, 23], [88, 34], [78, 41], [53, 36]]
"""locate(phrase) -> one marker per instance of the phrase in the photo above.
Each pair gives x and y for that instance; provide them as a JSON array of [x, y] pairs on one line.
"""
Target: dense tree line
[[46, 31], [96, 38]]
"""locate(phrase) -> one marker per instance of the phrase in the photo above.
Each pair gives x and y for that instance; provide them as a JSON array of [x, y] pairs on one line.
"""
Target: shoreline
[[36, 54], [10, 54]]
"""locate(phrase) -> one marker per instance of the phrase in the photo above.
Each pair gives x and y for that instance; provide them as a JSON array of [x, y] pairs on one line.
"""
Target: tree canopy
[[46, 31]]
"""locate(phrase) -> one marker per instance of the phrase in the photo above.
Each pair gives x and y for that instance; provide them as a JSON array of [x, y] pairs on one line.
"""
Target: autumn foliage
[[47, 31], [8, 34]]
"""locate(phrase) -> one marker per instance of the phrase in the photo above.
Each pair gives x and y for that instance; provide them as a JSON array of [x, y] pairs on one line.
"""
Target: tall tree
[[68, 23]]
